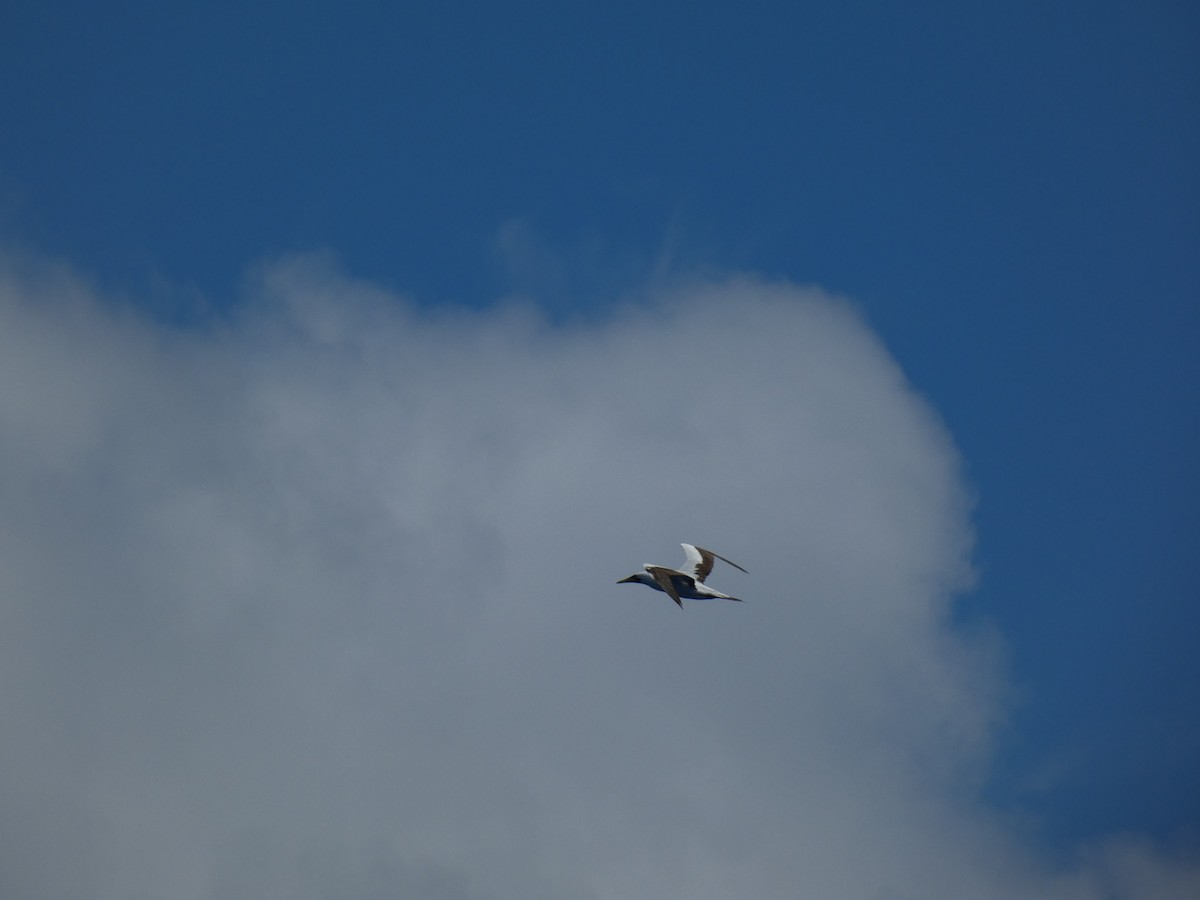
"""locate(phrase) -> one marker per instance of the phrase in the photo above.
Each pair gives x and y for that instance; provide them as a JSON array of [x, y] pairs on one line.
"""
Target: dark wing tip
[[723, 559]]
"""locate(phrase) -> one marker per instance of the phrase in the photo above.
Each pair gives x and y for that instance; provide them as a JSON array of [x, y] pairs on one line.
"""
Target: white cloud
[[320, 602]]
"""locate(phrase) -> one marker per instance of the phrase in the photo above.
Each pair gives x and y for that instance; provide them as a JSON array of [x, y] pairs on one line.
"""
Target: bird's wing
[[700, 561], [662, 576]]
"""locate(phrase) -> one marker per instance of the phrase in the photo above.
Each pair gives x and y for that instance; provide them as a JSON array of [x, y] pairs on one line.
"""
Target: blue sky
[[1008, 194]]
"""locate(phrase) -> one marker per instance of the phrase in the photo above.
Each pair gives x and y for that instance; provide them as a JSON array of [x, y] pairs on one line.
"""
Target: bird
[[686, 581]]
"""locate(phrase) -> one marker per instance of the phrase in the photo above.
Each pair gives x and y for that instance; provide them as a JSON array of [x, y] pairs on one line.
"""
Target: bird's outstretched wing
[[662, 575], [700, 561]]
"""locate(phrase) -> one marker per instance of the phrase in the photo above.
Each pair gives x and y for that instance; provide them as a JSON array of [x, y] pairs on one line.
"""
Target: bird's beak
[[630, 578]]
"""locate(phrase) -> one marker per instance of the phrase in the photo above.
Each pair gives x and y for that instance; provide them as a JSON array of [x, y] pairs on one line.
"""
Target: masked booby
[[686, 581]]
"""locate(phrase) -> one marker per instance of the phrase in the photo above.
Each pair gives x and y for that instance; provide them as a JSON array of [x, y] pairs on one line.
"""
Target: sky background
[[894, 305]]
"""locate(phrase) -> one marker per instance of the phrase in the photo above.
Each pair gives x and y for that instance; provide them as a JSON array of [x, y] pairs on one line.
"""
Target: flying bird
[[686, 581]]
